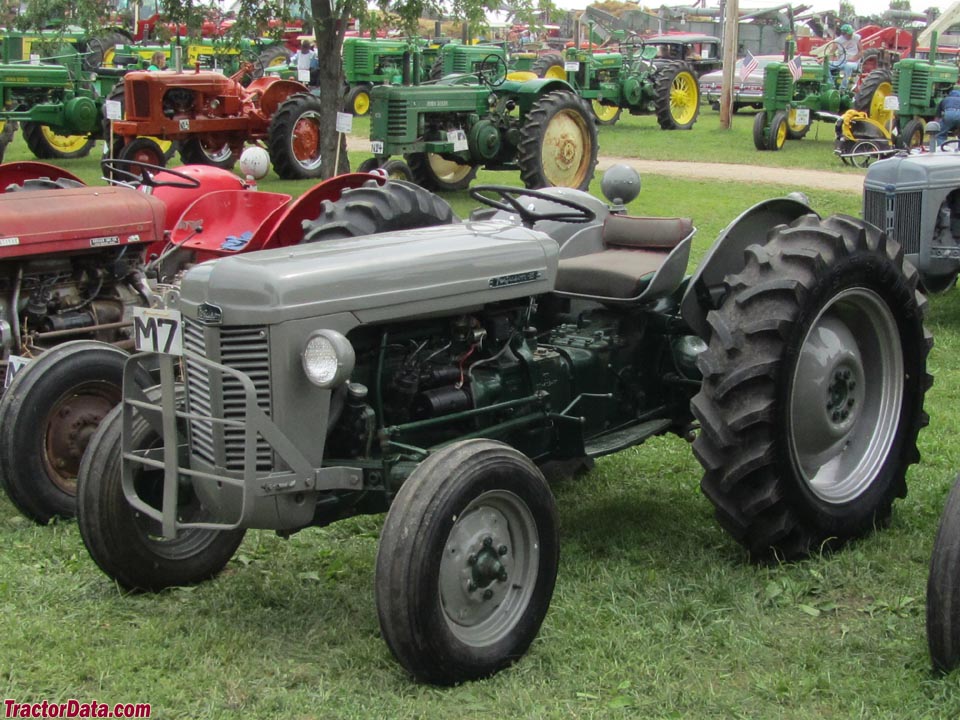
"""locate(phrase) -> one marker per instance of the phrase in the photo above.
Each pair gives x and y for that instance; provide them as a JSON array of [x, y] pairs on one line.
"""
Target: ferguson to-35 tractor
[[73, 262], [447, 129], [213, 116], [321, 382]]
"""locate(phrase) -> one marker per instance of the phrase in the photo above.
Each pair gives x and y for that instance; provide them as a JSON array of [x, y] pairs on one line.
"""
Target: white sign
[[376, 147], [344, 122], [157, 330], [184, 124], [802, 116], [34, 59], [303, 75], [459, 140], [15, 364], [113, 110], [571, 66], [891, 102]]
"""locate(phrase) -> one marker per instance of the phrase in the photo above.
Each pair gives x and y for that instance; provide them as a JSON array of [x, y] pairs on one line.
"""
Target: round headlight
[[328, 358]]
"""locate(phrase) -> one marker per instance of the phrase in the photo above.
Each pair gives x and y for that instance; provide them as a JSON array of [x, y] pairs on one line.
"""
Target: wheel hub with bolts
[[477, 568]]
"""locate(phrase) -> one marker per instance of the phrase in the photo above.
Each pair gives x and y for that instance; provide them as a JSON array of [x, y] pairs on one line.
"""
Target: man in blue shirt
[[948, 113]]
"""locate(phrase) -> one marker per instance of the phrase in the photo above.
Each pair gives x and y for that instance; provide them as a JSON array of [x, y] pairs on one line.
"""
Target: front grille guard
[[164, 418]]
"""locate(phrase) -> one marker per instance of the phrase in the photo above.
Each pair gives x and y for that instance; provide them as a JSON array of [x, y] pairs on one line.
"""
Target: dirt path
[[792, 177]]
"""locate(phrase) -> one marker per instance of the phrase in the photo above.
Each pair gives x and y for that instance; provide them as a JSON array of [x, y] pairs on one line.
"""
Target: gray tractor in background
[[401, 360]]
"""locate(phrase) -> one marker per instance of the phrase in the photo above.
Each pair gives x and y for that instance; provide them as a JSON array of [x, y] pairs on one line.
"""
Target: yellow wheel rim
[[781, 136], [521, 76], [3, 125], [108, 56], [877, 111], [604, 113], [446, 170], [684, 98], [280, 60], [361, 104], [165, 145], [64, 143], [566, 151], [556, 72], [792, 122]]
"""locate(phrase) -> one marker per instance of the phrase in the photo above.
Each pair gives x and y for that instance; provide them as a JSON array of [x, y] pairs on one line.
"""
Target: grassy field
[[656, 612]]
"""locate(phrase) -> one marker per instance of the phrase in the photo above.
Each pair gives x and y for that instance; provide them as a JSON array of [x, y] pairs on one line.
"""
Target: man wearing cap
[[850, 42]]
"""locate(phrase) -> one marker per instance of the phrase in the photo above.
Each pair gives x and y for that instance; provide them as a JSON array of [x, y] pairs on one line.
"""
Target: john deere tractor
[[919, 85], [636, 80], [368, 62], [447, 129]]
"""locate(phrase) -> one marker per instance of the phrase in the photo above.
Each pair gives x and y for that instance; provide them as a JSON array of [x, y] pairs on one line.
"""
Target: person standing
[[948, 115], [853, 49], [306, 60], [158, 61]]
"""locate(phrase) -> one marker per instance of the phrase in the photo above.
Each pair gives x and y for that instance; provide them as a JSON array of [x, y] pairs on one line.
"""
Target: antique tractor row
[[317, 383], [446, 130], [210, 54], [75, 260]]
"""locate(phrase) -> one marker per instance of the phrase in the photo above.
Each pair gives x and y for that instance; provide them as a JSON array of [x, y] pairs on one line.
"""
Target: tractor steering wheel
[[508, 199], [838, 60], [951, 145], [113, 167], [489, 73]]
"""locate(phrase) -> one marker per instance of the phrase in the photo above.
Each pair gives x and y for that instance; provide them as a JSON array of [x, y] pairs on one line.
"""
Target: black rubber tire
[[536, 127], [796, 134], [120, 541], [144, 149], [779, 130], [415, 536], [7, 134], [759, 131], [936, 284], [426, 176], [750, 475], [863, 100], [270, 56], [43, 150], [609, 121], [350, 100], [97, 47], [546, 61], [42, 392], [300, 107], [374, 208], [666, 75], [912, 135], [943, 588], [436, 70], [368, 165], [192, 152], [397, 170]]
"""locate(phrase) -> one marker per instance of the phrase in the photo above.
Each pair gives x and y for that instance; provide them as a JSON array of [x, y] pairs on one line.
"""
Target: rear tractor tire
[[549, 65], [874, 90], [943, 588], [558, 143], [605, 114], [45, 144], [677, 98], [294, 137], [814, 381]]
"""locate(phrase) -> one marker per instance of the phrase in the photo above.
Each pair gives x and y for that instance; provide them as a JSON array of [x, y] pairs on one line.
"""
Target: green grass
[[656, 611]]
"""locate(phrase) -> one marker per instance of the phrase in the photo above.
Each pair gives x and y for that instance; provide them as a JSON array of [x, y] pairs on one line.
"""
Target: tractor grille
[[361, 58], [397, 118], [140, 101], [899, 215], [461, 64], [245, 349], [784, 84]]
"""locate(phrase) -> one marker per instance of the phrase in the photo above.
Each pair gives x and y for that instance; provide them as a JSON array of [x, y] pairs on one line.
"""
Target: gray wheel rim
[[489, 568], [846, 395], [216, 155]]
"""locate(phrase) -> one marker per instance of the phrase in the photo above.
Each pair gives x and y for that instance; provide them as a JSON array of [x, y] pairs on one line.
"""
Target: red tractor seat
[[636, 251]]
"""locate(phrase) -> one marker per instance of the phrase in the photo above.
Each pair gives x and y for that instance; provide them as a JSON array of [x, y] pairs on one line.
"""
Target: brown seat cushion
[[617, 272], [645, 232]]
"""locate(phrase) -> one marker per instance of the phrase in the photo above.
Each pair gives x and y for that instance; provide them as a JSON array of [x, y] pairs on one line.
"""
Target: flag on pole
[[796, 68], [748, 65]]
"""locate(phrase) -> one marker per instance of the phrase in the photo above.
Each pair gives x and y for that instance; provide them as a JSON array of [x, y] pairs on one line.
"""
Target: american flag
[[796, 68], [748, 66]]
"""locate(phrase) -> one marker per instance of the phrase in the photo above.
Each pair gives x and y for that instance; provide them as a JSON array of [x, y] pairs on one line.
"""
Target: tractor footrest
[[625, 437]]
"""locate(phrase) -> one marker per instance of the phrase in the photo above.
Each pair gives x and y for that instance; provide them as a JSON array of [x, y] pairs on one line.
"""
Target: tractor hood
[[913, 172], [40, 222], [441, 269]]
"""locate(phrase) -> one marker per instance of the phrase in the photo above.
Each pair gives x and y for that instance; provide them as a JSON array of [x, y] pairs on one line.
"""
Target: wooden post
[[731, 40]]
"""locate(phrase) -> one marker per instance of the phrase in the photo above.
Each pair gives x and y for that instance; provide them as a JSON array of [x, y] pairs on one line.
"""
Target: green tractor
[[59, 106], [636, 80], [209, 53], [368, 62], [918, 84], [790, 104], [446, 130]]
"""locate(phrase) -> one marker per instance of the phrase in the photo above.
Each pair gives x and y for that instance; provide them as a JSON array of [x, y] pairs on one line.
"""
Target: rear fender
[[15, 173], [705, 290]]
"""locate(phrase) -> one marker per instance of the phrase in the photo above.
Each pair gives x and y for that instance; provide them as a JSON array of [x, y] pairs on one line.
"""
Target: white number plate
[[571, 66], [159, 331], [891, 102], [15, 364], [802, 116], [376, 147]]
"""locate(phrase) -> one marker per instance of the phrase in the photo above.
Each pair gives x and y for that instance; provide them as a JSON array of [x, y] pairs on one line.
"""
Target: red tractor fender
[[210, 178], [15, 173], [268, 93]]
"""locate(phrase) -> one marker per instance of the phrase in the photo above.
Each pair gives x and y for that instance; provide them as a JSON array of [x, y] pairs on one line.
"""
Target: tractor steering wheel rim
[[508, 200], [489, 75], [120, 166], [836, 64]]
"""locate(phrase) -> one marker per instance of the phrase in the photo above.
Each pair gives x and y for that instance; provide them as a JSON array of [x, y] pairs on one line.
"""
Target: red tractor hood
[[44, 222]]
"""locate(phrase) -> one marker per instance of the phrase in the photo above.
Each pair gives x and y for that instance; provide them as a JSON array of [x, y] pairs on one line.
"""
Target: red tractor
[[213, 116], [74, 261]]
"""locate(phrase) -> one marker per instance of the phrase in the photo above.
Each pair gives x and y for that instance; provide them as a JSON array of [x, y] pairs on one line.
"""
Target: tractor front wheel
[[467, 562], [779, 128], [46, 144], [558, 143], [605, 114], [760, 131], [433, 172], [912, 134], [144, 150], [358, 101], [126, 544], [814, 381], [294, 137], [677, 96], [202, 151]]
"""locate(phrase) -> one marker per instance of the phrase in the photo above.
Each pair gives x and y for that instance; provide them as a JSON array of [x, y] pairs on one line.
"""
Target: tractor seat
[[642, 259]]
